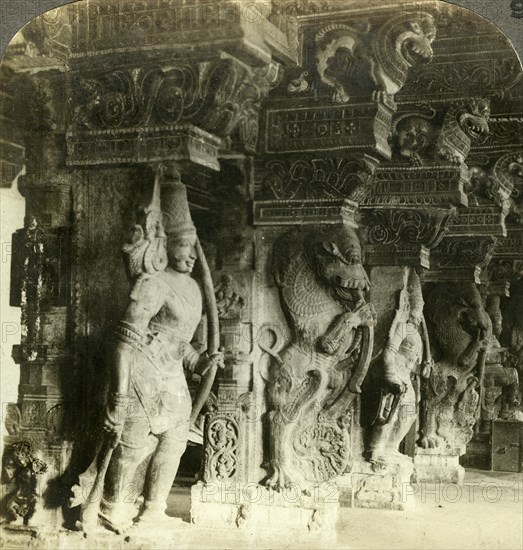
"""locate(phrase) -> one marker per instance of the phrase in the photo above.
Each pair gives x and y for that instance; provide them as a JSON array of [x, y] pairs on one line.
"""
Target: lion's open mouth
[[476, 128], [414, 52]]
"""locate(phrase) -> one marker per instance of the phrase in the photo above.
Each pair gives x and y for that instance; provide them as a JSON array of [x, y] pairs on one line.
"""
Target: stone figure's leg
[[162, 470], [407, 414], [117, 506], [379, 442]]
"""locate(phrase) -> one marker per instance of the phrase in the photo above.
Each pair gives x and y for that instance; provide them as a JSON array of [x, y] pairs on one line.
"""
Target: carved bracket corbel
[[328, 177], [372, 62], [399, 235], [461, 258], [501, 184]]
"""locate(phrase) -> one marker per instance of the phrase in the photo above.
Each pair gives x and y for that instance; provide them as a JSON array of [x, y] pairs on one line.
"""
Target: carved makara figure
[[149, 404], [465, 122], [360, 61], [460, 329], [500, 394], [316, 375], [407, 349]]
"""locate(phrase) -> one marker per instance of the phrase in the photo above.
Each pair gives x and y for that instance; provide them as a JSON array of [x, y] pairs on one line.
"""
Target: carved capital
[[407, 225], [318, 178], [507, 263], [461, 258], [501, 184], [186, 111]]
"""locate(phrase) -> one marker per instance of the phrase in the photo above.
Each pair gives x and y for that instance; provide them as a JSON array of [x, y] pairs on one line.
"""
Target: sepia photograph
[[261, 274]]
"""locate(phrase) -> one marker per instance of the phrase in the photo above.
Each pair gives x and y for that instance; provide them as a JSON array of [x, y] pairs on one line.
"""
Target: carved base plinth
[[438, 466], [371, 486], [296, 511]]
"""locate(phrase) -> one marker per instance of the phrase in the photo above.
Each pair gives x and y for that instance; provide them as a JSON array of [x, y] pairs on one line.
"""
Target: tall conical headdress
[[177, 220]]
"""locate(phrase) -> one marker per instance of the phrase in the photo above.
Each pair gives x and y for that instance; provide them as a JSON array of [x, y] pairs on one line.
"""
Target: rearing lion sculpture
[[459, 328], [315, 376]]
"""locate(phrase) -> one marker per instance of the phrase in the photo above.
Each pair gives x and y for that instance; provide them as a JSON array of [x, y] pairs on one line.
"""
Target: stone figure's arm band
[[128, 333]]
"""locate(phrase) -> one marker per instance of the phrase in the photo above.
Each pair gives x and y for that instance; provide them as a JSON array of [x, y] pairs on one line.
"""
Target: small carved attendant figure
[[406, 349], [501, 382], [149, 390]]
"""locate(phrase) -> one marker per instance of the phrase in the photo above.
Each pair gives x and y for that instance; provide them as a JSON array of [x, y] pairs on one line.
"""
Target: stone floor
[[486, 512]]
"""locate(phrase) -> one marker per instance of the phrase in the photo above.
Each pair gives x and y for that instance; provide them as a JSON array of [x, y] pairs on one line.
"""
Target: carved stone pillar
[[43, 262]]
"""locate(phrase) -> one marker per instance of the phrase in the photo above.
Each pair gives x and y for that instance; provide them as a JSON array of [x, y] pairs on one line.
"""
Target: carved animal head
[[402, 42], [473, 119], [334, 56], [414, 134], [337, 258], [414, 40], [457, 317]]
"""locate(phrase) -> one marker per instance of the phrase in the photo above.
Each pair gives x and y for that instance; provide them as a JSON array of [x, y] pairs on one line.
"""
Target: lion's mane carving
[[315, 376]]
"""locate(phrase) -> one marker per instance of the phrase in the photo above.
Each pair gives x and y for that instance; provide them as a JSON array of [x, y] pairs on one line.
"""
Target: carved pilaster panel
[[224, 446]]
